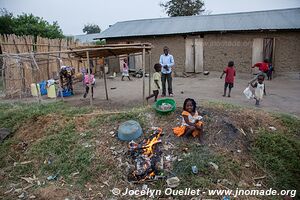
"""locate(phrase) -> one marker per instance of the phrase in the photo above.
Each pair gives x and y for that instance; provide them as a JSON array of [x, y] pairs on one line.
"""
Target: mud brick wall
[[219, 48], [176, 45]]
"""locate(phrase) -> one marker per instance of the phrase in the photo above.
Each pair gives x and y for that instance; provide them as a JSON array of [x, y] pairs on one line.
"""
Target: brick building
[[208, 42]]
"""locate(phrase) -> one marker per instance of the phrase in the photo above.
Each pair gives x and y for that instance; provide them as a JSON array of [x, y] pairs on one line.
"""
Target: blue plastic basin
[[129, 130]]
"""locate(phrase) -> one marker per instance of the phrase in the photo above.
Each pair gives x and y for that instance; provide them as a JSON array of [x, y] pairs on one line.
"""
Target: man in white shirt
[[167, 62]]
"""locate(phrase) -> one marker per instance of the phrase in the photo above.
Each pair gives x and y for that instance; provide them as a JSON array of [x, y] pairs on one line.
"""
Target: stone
[[4, 133]]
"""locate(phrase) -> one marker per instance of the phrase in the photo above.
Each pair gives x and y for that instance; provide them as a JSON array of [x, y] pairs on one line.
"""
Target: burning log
[[146, 156]]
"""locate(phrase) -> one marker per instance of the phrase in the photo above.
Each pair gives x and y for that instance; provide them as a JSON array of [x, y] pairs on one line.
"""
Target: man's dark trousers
[[167, 77]]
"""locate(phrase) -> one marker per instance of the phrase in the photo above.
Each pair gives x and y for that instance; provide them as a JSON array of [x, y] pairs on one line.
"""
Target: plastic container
[[35, 88], [159, 102], [43, 88], [129, 130], [66, 93], [51, 91]]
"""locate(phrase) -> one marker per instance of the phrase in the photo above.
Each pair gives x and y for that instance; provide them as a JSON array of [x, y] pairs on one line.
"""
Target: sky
[[72, 15]]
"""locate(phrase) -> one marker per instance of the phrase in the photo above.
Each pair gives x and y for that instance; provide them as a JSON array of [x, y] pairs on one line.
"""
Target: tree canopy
[[91, 28], [175, 8], [28, 24]]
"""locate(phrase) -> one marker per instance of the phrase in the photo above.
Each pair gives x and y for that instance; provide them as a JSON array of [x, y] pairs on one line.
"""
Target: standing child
[[156, 82], [125, 69], [190, 124], [270, 72], [259, 88], [229, 79], [87, 81]]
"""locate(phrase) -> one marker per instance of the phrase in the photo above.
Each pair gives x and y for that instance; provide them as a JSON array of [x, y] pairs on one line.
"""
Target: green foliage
[[7, 22], [91, 28], [183, 7], [28, 24], [280, 155]]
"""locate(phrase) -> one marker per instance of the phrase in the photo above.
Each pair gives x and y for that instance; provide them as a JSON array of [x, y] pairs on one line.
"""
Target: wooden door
[[189, 55], [138, 62], [257, 52], [198, 55], [131, 62]]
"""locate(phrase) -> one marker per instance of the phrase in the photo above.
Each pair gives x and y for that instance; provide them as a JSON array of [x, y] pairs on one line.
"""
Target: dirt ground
[[282, 92]]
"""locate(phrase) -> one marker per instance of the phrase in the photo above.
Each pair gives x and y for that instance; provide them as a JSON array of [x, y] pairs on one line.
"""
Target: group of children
[[191, 123], [265, 69]]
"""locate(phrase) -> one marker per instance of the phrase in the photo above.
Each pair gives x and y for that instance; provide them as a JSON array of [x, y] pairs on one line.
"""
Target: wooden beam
[[150, 65], [105, 84], [82, 50], [89, 71], [48, 62], [143, 64]]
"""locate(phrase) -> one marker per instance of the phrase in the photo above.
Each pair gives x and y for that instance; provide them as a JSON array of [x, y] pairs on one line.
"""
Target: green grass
[[279, 154], [221, 105], [292, 123], [137, 114], [13, 115], [200, 156], [66, 153]]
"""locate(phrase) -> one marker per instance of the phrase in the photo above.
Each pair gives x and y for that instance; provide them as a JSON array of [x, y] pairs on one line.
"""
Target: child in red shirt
[[262, 66], [229, 79]]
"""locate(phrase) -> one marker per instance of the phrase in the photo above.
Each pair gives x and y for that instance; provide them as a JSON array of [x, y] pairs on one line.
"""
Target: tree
[[28, 24], [175, 8], [91, 28], [6, 22]]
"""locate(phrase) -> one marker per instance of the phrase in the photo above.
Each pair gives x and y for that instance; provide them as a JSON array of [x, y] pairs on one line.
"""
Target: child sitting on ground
[[259, 88], [191, 123], [156, 82], [87, 81], [229, 79]]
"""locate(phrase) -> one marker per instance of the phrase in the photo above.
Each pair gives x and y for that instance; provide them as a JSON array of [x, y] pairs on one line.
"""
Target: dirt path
[[282, 92]]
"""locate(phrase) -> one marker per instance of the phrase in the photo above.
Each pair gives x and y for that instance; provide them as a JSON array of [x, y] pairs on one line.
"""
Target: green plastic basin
[[159, 102]]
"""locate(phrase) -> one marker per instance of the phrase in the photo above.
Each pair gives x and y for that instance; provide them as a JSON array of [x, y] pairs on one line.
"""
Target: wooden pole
[[60, 81], [48, 62], [34, 71], [89, 71], [143, 64], [150, 65], [104, 77], [273, 56], [3, 75], [36, 82]]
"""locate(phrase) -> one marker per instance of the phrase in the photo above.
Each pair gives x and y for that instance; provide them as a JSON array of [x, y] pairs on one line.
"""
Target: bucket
[[35, 88], [43, 87], [51, 91]]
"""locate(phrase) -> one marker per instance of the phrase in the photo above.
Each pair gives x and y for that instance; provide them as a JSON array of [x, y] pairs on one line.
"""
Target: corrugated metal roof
[[87, 38], [258, 20]]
